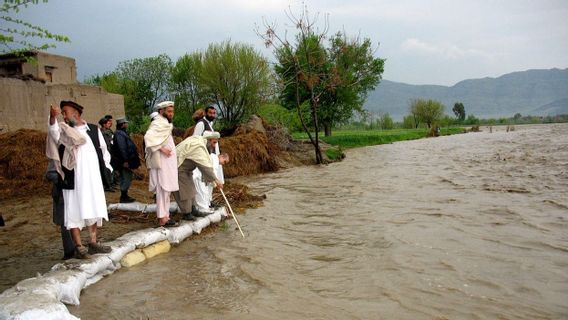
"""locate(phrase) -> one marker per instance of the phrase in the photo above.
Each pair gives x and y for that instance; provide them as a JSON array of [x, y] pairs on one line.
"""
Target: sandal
[[95, 248], [170, 223], [81, 253]]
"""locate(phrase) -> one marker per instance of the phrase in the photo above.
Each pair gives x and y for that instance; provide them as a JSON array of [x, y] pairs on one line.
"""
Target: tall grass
[[360, 138]]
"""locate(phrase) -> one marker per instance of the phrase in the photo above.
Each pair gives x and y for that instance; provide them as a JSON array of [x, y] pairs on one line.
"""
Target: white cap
[[163, 105], [211, 135]]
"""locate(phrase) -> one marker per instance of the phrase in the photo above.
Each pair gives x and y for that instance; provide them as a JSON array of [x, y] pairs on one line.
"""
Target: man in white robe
[[79, 164], [193, 156], [203, 190], [161, 160]]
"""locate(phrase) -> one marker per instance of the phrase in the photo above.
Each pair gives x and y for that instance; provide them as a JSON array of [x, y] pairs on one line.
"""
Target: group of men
[[186, 170], [124, 157], [80, 161]]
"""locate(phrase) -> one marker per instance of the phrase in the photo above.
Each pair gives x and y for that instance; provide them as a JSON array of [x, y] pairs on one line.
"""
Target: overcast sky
[[424, 42]]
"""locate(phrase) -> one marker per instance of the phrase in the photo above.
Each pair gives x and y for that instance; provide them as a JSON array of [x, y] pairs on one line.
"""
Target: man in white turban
[[161, 160], [192, 153]]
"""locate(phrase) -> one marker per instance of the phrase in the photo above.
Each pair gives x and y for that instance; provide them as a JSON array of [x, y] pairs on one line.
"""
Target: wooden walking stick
[[232, 213]]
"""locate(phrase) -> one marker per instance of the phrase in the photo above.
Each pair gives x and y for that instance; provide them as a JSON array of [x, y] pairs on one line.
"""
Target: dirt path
[[30, 243]]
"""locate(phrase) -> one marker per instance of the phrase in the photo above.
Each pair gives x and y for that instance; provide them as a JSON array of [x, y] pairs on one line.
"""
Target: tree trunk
[[327, 129], [319, 158]]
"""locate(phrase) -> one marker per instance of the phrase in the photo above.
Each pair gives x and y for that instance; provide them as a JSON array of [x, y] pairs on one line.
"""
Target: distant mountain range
[[532, 92]]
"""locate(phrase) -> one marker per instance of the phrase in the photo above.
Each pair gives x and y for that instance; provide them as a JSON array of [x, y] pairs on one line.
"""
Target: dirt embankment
[[31, 243]]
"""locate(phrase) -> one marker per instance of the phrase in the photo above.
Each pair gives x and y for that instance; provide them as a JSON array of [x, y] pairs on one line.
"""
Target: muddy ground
[[30, 243]]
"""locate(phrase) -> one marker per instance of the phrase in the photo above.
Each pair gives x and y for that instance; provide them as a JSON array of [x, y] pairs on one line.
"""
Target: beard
[[210, 118], [71, 122]]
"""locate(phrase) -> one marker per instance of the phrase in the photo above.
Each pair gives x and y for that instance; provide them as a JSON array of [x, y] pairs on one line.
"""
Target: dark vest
[[69, 181], [206, 125]]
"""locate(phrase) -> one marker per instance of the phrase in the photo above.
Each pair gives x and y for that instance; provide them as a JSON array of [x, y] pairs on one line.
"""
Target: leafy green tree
[[304, 67], [276, 114], [471, 120], [414, 113], [408, 122], [185, 82], [235, 77], [459, 111], [18, 36], [427, 111], [386, 122], [357, 72], [324, 85], [145, 81]]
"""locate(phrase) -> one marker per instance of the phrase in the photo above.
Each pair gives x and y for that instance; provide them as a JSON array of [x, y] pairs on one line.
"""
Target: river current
[[471, 226]]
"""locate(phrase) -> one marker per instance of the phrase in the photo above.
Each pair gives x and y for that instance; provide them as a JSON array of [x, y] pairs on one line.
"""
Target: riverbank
[[468, 226], [30, 242], [347, 139]]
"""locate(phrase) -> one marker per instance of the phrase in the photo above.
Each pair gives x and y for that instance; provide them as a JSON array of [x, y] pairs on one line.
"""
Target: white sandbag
[[133, 206], [70, 283], [224, 212], [140, 207], [33, 306], [97, 264], [178, 234], [145, 237], [92, 280], [119, 249], [199, 224], [152, 207], [215, 217], [34, 298]]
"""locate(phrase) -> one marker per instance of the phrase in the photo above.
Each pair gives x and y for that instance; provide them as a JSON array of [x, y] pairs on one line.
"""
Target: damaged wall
[[25, 103]]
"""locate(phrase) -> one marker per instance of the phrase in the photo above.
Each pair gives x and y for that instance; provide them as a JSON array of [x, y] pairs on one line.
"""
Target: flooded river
[[471, 226]]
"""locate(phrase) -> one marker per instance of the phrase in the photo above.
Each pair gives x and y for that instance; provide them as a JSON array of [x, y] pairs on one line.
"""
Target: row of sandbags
[[45, 296]]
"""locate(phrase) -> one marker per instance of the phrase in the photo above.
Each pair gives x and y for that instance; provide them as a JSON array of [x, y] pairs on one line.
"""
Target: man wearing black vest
[[206, 124], [81, 156]]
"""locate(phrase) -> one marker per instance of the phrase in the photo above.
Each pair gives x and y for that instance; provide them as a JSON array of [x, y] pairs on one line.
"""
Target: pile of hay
[[23, 163], [250, 153]]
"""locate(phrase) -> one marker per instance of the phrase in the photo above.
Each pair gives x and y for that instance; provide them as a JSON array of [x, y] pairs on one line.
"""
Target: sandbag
[[34, 298], [156, 249], [140, 207], [199, 224], [215, 217], [133, 258], [71, 282], [97, 264], [145, 237], [178, 234], [119, 249]]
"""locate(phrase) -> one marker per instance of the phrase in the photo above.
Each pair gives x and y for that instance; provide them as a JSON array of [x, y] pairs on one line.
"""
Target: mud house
[[29, 86]]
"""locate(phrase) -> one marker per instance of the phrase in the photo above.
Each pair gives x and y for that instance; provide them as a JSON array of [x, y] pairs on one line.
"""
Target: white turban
[[211, 135], [163, 105]]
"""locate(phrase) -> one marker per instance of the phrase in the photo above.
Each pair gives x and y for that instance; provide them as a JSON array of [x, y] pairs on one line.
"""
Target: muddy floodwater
[[471, 226]]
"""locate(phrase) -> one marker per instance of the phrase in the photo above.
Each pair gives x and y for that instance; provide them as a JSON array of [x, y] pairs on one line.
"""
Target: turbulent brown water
[[471, 226]]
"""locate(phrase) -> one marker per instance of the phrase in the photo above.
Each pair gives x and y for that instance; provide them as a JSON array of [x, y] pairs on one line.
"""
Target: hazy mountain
[[535, 92], [553, 108]]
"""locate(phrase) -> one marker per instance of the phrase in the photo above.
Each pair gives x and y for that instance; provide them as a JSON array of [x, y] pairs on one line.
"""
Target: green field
[[360, 138]]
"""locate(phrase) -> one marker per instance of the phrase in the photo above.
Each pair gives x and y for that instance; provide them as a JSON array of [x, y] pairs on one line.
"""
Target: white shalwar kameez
[[85, 205], [204, 191]]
